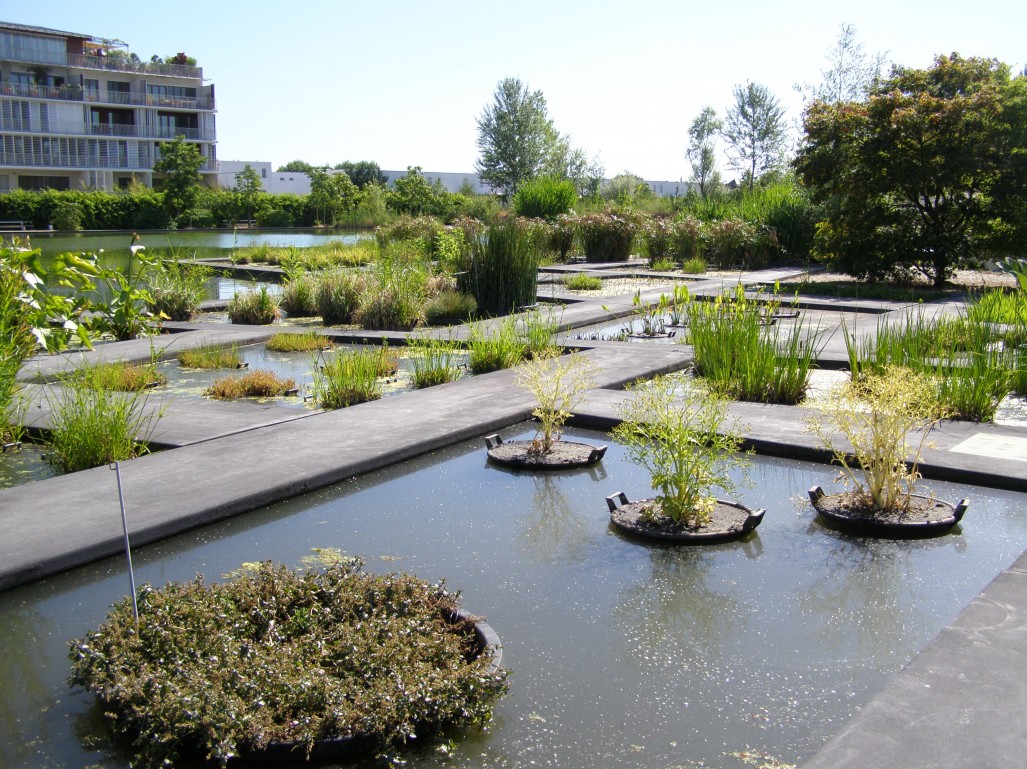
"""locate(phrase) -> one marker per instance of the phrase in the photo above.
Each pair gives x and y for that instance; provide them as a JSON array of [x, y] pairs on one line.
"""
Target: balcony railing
[[115, 63], [118, 131], [32, 160], [77, 93]]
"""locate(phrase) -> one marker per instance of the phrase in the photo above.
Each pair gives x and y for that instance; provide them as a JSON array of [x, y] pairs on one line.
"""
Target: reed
[[494, 347], [434, 361], [254, 308], [210, 356], [350, 377], [502, 270], [308, 341], [581, 282], [253, 384]]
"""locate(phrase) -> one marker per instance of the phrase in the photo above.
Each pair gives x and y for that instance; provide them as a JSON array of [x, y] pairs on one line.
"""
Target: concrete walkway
[[961, 702]]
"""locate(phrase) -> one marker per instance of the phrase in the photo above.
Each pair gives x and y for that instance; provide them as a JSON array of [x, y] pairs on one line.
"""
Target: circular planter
[[926, 517], [486, 640], [564, 455], [729, 520]]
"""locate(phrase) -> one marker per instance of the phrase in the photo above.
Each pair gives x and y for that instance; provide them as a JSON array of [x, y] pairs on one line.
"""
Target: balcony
[[161, 133], [115, 63], [76, 93], [33, 160]]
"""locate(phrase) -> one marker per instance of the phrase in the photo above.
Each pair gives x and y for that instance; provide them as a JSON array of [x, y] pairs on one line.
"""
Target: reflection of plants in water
[[870, 590], [21, 670], [676, 609], [552, 529]]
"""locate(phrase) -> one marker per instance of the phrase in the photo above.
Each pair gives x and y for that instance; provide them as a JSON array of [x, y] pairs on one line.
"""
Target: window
[[91, 89]]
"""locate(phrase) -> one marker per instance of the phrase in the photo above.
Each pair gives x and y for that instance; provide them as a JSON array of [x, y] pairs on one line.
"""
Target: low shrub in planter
[[502, 269], [254, 308], [254, 384], [352, 377], [582, 282], [176, 290], [279, 655]]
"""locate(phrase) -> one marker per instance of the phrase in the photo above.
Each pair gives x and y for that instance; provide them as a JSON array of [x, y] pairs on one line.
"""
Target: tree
[[515, 136], [180, 162], [755, 130], [300, 166], [850, 74], [249, 186], [363, 173], [413, 194], [567, 162], [331, 194], [928, 173], [702, 153]]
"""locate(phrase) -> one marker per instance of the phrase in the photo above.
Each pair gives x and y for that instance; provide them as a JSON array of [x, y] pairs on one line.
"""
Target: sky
[[401, 82]]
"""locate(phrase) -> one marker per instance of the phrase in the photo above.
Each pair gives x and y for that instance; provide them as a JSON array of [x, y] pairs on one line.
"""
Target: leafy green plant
[[537, 329], [126, 315], [252, 384], [350, 377], [176, 290], [307, 341], [582, 282], [210, 355], [544, 197], [338, 292], [92, 425], [494, 346], [279, 655], [677, 434], [254, 308], [434, 361], [299, 294], [875, 414], [658, 239], [694, 266], [559, 383], [607, 236], [448, 306]]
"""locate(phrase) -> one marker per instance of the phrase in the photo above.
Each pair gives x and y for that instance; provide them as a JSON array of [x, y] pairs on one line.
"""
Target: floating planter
[[924, 517], [529, 455], [727, 520]]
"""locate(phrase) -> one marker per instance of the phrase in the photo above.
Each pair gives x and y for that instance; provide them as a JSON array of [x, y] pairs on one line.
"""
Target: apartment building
[[81, 112]]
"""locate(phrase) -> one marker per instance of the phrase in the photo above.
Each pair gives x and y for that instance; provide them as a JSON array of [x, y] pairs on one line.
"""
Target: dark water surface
[[623, 653]]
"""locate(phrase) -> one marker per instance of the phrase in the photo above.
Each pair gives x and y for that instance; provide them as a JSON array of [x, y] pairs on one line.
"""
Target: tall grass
[[254, 308], [537, 329], [502, 270], [124, 377], [338, 292], [545, 197], [434, 361], [299, 295], [253, 384], [176, 290], [209, 355], [349, 378], [92, 425], [744, 356], [306, 341], [495, 346], [608, 236]]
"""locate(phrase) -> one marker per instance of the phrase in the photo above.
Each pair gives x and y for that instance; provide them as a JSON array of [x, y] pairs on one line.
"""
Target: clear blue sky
[[400, 83]]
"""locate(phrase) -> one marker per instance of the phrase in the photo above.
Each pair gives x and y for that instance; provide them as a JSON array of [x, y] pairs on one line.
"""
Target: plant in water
[[677, 434], [176, 290], [92, 425], [694, 266], [307, 341], [210, 355], [876, 414], [253, 384], [351, 377], [663, 265], [283, 655], [449, 306], [338, 292], [125, 377], [502, 269], [299, 294], [254, 308], [434, 361], [494, 345], [537, 329], [582, 282], [127, 314], [559, 383]]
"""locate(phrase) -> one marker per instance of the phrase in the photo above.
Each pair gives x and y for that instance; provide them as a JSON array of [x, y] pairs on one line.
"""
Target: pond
[[622, 653]]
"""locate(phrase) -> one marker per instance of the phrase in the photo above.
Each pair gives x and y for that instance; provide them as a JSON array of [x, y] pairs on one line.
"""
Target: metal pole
[[128, 546]]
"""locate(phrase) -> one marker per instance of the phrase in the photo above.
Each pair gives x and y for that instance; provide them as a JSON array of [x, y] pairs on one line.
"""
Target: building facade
[[79, 112]]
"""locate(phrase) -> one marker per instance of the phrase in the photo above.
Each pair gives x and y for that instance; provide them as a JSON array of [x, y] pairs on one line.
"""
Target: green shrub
[[689, 239], [389, 647], [561, 237], [338, 292], [275, 217], [582, 282], [66, 216], [350, 377], [502, 270], [607, 236], [254, 308], [694, 266], [210, 356], [658, 239], [392, 306], [544, 197], [299, 295], [449, 307], [196, 218]]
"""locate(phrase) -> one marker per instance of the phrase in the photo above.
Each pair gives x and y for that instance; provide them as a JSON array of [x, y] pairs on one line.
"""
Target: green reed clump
[[999, 307], [607, 236], [210, 355], [537, 329], [253, 384], [502, 269], [494, 346], [582, 282], [254, 308], [176, 290], [307, 341], [448, 307], [299, 295], [350, 377], [92, 425], [545, 197], [338, 293], [694, 266], [742, 352], [255, 659], [973, 370], [124, 377], [658, 241], [434, 361]]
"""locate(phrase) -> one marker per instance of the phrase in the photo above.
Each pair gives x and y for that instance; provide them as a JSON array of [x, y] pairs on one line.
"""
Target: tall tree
[[850, 73], [180, 163], [702, 150], [331, 194], [249, 186], [515, 136], [755, 131], [928, 173], [363, 173], [300, 166]]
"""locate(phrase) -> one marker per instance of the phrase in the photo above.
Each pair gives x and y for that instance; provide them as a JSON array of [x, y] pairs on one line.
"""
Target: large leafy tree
[[250, 188], [924, 175], [756, 131], [331, 195], [363, 173], [515, 136], [180, 163], [702, 150]]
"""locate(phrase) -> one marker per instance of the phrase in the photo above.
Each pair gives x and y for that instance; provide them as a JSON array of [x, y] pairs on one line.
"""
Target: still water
[[623, 653]]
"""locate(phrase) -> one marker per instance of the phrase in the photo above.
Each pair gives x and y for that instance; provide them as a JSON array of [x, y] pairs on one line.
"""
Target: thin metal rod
[[128, 546]]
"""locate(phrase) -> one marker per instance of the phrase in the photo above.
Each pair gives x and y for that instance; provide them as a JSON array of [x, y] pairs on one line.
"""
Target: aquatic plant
[[307, 341], [252, 384], [558, 382], [254, 308], [210, 355]]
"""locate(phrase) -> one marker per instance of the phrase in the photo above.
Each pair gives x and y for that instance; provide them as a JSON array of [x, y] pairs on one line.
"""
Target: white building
[[78, 111], [227, 170]]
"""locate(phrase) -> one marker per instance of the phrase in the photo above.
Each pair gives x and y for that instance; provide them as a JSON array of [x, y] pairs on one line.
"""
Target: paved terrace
[[961, 702]]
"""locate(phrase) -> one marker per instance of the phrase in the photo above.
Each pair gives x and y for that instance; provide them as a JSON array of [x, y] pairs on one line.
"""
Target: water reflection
[[553, 529]]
